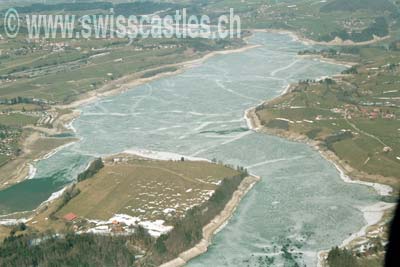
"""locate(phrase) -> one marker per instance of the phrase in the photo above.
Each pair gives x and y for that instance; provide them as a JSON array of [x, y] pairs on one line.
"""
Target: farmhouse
[[70, 217]]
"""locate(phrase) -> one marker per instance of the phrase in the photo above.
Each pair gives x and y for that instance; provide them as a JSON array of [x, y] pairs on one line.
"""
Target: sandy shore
[[373, 214], [215, 225]]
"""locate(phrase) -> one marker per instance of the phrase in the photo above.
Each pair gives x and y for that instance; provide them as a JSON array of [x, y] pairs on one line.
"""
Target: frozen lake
[[300, 207]]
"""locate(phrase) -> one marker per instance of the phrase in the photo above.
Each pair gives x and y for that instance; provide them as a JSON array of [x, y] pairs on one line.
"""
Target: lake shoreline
[[373, 214], [215, 225], [25, 169]]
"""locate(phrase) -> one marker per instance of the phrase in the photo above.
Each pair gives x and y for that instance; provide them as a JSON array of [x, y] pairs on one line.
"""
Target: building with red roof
[[70, 217]]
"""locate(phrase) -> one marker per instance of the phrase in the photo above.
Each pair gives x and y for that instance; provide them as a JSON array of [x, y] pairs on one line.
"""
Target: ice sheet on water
[[306, 186]]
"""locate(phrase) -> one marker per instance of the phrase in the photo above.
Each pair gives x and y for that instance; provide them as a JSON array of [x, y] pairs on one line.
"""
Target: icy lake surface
[[300, 207]]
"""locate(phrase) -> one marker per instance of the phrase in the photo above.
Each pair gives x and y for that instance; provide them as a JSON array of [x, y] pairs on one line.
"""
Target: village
[[16, 121]]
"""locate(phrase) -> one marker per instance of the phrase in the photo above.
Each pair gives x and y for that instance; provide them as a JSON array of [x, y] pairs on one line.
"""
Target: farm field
[[144, 189], [17, 120]]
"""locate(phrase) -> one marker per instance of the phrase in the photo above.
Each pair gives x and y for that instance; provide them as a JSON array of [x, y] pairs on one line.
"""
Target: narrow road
[[363, 132]]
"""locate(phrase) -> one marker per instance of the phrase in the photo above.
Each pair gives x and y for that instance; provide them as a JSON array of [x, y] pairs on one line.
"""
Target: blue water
[[301, 205]]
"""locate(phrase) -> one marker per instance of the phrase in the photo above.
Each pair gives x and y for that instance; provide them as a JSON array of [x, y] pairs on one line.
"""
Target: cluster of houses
[[45, 45], [37, 44], [156, 47], [80, 224], [8, 137], [376, 113], [119, 224], [7, 80], [371, 113]]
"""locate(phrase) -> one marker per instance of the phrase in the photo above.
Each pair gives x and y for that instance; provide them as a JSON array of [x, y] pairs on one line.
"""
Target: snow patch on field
[[101, 229], [155, 228], [169, 210], [123, 218], [9, 222]]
